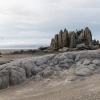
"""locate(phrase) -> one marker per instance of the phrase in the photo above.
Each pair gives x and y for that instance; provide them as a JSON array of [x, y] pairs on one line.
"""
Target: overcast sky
[[32, 23]]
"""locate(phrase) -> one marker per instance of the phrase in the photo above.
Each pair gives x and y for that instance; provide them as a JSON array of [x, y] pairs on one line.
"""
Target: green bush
[[78, 32]]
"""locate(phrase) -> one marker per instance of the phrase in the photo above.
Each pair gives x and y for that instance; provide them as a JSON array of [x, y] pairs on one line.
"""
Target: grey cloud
[[37, 20]]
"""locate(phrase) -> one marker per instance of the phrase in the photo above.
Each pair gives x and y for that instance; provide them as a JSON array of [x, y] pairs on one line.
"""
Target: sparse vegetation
[[78, 32]]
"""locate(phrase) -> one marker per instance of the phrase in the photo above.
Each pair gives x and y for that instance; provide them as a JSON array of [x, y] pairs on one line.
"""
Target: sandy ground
[[13, 57], [50, 89], [58, 88], [6, 57]]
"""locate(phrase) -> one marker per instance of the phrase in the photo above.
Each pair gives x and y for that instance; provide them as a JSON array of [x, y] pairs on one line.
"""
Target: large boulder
[[82, 47], [64, 49], [29, 66], [17, 75]]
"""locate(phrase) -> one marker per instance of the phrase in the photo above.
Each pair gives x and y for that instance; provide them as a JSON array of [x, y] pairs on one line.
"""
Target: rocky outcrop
[[83, 63], [85, 36], [73, 39], [60, 40]]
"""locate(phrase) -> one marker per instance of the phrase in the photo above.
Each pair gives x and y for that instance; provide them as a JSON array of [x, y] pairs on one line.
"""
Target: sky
[[32, 23]]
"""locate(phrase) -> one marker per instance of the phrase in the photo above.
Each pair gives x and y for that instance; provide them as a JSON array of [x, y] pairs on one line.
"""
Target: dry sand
[[6, 57], [49, 89]]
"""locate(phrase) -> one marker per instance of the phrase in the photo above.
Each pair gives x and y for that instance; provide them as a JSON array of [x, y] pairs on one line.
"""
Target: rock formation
[[85, 36], [83, 64], [56, 41], [74, 40], [65, 38], [59, 39], [52, 46]]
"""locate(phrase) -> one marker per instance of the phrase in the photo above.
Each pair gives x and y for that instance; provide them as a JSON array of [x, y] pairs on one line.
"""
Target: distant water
[[22, 47]]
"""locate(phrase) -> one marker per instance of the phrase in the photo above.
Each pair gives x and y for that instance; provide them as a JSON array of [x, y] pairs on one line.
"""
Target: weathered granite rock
[[56, 41], [36, 70], [4, 79], [17, 76], [29, 66], [85, 36], [52, 45], [48, 73], [82, 47], [72, 39], [4, 62], [92, 47], [60, 39], [85, 68], [84, 63], [60, 50], [88, 36], [37, 77], [81, 38], [64, 49], [65, 38], [92, 43]]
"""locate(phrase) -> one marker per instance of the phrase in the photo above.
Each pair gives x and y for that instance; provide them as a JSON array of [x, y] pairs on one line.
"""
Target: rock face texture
[[60, 39], [85, 36], [65, 38], [84, 63], [56, 41], [52, 44], [73, 39]]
